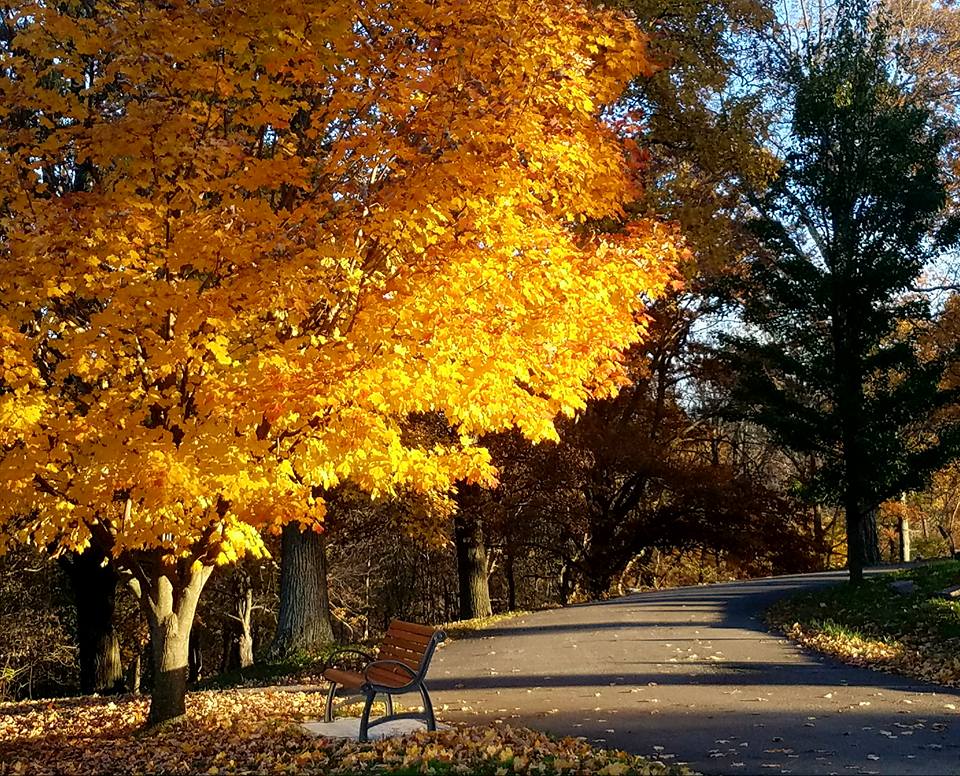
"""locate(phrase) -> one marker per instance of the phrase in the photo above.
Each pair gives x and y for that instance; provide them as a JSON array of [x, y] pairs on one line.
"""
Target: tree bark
[[905, 554], [565, 584], [194, 657], [863, 547], [304, 620], [171, 644], [168, 593], [94, 588], [471, 567], [855, 559], [819, 538], [133, 675], [510, 571], [597, 572], [238, 635], [870, 540]]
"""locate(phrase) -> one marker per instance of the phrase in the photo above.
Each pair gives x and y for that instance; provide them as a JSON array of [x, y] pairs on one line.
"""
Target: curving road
[[693, 673]]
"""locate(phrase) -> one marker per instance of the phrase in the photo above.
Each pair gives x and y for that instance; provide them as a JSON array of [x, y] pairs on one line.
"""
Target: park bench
[[400, 667]]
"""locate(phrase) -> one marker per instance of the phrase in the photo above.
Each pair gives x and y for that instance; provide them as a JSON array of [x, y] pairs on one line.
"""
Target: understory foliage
[[245, 252], [244, 732], [629, 483], [38, 652]]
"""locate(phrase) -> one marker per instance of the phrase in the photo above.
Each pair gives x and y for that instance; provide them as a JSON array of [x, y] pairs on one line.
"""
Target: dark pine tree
[[830, 357]]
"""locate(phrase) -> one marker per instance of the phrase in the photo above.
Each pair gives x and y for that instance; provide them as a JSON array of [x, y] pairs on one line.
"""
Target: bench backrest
[[410, 644]]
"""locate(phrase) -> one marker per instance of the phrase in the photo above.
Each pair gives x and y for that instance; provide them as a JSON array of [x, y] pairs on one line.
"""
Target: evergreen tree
[[831, 359]]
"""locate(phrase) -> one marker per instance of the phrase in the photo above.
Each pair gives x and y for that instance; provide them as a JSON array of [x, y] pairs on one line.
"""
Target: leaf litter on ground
[[259, 731], [873, 626]]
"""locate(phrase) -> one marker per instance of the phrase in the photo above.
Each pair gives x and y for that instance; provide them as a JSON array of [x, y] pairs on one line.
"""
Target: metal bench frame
[[370, 689]]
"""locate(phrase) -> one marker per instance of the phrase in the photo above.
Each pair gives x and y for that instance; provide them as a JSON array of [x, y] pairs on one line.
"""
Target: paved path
[[693, 673]]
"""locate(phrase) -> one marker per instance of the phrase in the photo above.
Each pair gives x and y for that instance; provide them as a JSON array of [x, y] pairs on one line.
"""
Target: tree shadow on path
[[687, 668]]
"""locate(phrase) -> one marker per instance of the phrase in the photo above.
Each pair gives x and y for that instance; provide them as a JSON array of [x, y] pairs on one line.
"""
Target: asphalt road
[[693, 673]]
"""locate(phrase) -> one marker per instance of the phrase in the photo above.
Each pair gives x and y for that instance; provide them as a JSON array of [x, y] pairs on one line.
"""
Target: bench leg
[[427, 708], [389, 698], [365, 718], [328, 710]]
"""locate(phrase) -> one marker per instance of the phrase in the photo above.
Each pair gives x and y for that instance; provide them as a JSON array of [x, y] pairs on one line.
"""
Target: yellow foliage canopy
[[241, 246]]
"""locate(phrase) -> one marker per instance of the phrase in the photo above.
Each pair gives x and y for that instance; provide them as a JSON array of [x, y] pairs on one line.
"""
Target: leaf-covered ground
[[873, 625], [465, 629], [236, 731]]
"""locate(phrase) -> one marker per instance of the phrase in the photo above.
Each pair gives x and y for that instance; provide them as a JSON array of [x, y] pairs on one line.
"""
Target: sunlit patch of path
[[694, 673]]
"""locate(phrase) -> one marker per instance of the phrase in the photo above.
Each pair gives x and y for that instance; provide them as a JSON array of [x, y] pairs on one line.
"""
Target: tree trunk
[[863, 547], [854, 540], [597, 573], [194, 657], [168, 593], [471, 567], [565, 586], [133, 675], [238, 635], [94, 588], [304, 620], [905, 555], [870, 540], [819, 538], [171, 644], [510, 571]]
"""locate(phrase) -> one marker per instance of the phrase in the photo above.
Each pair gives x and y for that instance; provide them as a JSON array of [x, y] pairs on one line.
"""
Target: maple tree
[[702, 132], [239, 247]]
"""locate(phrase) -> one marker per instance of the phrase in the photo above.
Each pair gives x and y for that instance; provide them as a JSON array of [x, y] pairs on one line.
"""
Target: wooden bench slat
[[400, 628], [402, 649], [351, 679], [412, 627], [413, 646], [413, 642], [398, 646], [387, 677], [397, 668], [402, 657]]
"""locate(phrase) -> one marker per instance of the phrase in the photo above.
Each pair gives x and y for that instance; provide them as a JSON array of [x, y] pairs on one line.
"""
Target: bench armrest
[[390, 663], [346, 651]]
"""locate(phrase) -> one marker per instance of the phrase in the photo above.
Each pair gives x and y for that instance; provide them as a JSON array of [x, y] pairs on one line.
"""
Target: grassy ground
[[873, 625], [295, 669], [257, 731], [466, 629]]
